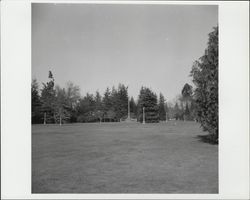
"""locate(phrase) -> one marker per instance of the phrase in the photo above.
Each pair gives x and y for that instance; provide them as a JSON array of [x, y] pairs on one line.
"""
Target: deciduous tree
[[62, 106]]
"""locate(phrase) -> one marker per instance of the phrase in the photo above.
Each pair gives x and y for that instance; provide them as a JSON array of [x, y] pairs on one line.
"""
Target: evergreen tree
[[121, 102], [86, 108], [162, 111], [115, 104], [98, 110], [167, 111], [98, 101], [182, 110], [148, 100], [48, 100], [186, 112], [35, 103], [192, 110], [107, 106], [107, 101], [187, 92], [186, 98], [176, 111], [133, 107], [205, 78]]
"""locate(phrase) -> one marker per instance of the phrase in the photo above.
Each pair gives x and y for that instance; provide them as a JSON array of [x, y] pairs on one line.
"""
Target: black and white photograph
[[124, 98]]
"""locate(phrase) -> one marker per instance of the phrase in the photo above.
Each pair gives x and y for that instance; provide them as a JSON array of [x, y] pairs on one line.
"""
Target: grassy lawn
[[123, 158]]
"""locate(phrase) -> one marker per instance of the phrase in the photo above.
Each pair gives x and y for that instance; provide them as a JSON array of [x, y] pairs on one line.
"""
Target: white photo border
[[233, 102]]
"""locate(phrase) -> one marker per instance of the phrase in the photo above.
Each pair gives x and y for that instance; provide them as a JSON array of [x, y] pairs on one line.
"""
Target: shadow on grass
[[211, 139]]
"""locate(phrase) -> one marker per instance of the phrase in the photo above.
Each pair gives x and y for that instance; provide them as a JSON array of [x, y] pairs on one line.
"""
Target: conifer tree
[[167, 111], [35, 103], [48, 100], [107, 102], [176, 111], [187, 92], [205, 78], [133, 107], [107, 105], [98, 110], [162, 111], [187, 112], [121, 102], [148, 100]]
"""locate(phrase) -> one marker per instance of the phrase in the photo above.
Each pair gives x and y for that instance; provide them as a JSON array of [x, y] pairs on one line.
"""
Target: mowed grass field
[[123, 158]]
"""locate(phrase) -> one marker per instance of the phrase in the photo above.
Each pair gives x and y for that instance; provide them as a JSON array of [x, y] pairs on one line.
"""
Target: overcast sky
[[96, 46]]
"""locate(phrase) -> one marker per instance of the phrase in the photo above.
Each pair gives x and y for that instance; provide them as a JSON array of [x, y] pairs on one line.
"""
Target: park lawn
[[123, 158]]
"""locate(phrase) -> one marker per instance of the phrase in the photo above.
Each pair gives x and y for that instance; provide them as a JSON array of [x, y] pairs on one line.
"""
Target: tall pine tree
[[133, 107]]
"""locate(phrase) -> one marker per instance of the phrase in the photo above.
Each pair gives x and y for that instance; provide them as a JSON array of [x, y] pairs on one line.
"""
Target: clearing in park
[[123, 158]]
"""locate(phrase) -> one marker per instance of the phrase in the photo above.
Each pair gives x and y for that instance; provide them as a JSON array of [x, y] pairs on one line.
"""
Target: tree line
[[53, 104]]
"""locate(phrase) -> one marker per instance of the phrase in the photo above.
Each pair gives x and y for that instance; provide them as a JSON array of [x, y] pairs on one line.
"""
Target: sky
[[96, 46]]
